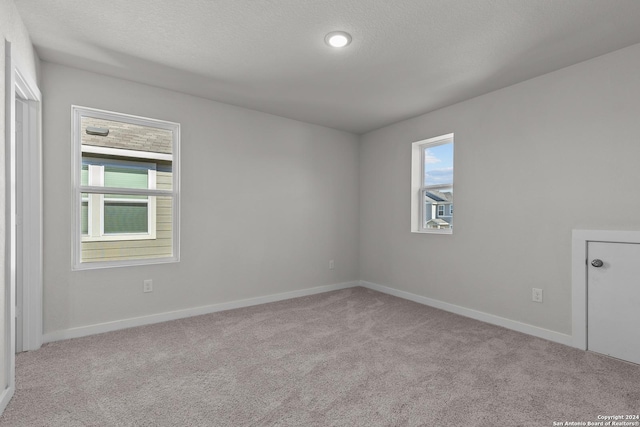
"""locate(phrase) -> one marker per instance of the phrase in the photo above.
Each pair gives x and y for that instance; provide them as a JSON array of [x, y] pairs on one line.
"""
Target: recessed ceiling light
[[338, 39]]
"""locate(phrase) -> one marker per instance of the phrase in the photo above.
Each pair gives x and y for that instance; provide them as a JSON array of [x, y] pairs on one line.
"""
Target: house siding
[[128, 136]]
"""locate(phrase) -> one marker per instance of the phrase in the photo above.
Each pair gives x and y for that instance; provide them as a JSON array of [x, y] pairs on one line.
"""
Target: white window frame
[[77, 112], [96, 219], [418, 223], [443, 210]]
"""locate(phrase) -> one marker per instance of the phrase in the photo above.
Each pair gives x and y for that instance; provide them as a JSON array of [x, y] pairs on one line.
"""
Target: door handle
[[597, 263]]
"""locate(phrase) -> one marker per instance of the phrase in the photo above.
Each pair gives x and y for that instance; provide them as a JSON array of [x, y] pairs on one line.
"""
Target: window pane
[[126, 177], [438, 164], [84, 175], [84, 214], [138, 143], [125, 217], [438, 208], [127, 246]]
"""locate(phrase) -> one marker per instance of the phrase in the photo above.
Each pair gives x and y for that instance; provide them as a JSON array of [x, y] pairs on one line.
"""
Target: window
[[126, 189], [432, 185], [123, 217]]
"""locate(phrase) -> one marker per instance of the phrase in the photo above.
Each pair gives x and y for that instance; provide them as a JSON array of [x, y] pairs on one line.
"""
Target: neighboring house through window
[[112, 217], [126, 174], [432, 185]]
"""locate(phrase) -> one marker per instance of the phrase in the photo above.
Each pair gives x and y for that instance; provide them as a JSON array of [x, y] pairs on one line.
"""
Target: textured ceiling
[[407, 57]]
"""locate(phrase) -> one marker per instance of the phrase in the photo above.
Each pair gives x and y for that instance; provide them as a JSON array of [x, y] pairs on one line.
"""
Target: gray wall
[[13, 30], [554, 153], [266, 202]]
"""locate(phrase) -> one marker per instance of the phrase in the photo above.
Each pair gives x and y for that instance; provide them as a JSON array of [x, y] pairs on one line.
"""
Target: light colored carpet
[[353, 357]]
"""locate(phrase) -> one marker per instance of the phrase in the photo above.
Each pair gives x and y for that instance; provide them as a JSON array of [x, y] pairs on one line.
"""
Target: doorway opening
[[22, 317]]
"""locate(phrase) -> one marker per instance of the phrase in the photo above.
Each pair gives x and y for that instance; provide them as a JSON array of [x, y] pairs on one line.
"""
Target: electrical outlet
[[332, 264], [147, 286], [536, 295]]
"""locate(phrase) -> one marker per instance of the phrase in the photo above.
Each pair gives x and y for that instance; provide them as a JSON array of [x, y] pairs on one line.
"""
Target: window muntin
[[432, 185], [126, 183]]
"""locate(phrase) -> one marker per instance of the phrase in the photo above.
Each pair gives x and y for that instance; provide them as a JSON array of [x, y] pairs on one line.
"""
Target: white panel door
[[613, 299]]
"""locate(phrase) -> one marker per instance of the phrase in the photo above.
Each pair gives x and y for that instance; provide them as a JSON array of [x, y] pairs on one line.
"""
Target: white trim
[[130, 118], [189, 312], [151, 205], [579, 242], [125, 191], [123, 263], [474, 314], [25, 85], [435, 141], [95, 177], [417, 199], [32, 258], [22, 85], [5, 397], [119, 237], [21, 131], [9, 279], [197, 311], [121, 152]]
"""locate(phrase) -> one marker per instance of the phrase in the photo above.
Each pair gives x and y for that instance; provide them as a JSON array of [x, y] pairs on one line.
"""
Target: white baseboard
[[474, 314], [189, 312], [5, 397], [197, 311]]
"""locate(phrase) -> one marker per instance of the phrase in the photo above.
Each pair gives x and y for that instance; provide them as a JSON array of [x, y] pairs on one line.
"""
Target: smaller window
[[432, 185], [120, 217]]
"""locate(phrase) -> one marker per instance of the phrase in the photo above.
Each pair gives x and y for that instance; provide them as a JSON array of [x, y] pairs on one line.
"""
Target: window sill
[[124, 263], [118, 237], [434, 231]]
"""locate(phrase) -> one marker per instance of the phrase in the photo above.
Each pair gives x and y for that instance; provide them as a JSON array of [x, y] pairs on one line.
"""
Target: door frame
[[18, 83], [579, 253]]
